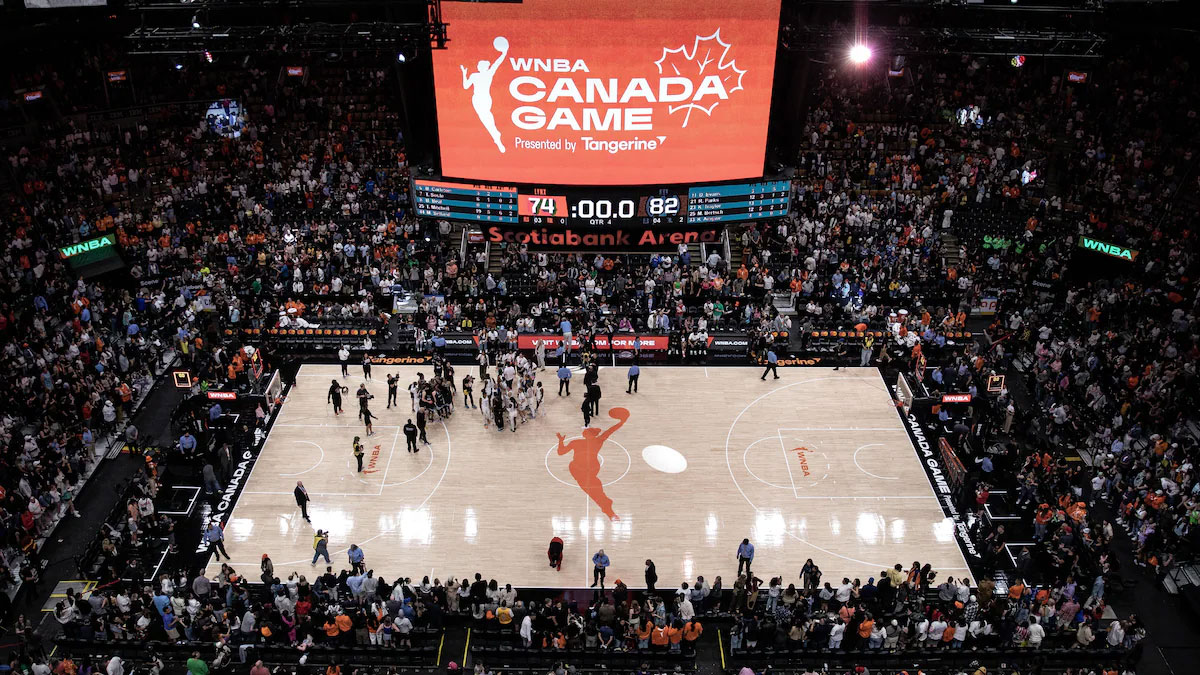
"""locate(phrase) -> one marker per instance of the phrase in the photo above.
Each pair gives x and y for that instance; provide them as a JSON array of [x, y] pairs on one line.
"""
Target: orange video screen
[[606, 92]]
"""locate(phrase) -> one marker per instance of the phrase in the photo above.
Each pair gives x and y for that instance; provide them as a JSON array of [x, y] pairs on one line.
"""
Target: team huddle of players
[[512, 397], [432, 399]]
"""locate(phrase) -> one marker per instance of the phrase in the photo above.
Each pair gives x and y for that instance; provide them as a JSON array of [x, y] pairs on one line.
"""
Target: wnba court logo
[[561, 93]]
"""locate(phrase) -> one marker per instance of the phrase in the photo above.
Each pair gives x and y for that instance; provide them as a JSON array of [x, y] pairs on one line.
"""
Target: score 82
[[662, 206]]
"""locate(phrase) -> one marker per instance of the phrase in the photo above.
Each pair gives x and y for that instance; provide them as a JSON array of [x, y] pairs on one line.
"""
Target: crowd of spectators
[[895, 611], [901, 610], [303, 218], [1108, 347]]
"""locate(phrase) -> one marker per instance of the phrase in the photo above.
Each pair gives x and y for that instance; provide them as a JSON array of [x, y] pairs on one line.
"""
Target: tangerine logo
[[371, 463], [794, 362], [802, 455], [401, 360]]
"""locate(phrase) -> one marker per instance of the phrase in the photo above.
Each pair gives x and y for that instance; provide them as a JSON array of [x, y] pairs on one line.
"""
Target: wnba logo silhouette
[[585, 460], [480, 84]]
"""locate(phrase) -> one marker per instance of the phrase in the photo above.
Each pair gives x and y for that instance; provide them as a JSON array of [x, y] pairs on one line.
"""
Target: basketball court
[[816, 464]]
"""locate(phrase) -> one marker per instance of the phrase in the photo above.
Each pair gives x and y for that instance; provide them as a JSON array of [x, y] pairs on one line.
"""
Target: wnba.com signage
[[606, 92]]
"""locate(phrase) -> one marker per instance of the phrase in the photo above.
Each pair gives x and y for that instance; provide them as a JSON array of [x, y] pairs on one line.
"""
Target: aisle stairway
[[951, 250], [695, 253]]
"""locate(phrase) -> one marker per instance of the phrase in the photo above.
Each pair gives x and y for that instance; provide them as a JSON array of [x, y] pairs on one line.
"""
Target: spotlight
[[178, 65], [400, 57], [1017, 61], [195, 21], [860, 53], [208, 56]]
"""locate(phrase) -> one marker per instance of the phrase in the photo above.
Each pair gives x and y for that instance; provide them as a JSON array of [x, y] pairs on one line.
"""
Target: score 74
[[543, 206]]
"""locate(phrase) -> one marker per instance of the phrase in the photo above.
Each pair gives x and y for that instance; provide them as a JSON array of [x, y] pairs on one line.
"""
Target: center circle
[[554, 448]]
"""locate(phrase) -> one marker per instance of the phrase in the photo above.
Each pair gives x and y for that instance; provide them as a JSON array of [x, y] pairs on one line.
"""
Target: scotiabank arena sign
[[606, 92]]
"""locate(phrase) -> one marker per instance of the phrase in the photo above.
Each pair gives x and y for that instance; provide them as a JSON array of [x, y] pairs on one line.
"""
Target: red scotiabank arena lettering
[[620, 237]]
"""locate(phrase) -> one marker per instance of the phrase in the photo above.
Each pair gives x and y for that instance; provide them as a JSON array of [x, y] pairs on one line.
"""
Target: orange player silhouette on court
[[585, 462]]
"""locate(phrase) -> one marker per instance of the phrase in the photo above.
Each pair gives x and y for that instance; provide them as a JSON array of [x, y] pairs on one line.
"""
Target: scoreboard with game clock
[[677, 206]]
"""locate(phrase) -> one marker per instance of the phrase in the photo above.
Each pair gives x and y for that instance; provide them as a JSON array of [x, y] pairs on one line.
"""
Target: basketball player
[[485, 404], [358, 450], [512, 414], [344, 358], [421, 425], [366, 364], [498, 410], [335, 397]]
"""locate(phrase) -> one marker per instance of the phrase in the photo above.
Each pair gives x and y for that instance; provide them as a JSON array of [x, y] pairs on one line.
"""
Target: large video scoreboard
[[602, 207], [606, 92]]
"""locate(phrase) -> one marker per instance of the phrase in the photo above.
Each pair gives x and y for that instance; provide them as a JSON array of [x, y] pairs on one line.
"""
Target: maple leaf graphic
[[708, 55]]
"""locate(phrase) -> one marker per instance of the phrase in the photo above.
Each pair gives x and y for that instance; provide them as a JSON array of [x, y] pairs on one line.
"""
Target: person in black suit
[[651, 576], [591, 398], [410, 433], [302, 499]]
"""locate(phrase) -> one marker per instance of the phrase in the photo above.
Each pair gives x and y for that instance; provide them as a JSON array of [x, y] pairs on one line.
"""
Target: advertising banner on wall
[[650, 343], [606, 92], [458, 342]]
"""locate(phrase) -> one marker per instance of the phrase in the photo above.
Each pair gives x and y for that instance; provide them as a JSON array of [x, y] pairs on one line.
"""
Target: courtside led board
[[606, 92]]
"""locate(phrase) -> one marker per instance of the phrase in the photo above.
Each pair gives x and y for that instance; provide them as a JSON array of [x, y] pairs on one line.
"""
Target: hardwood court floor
[[814, 465]]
